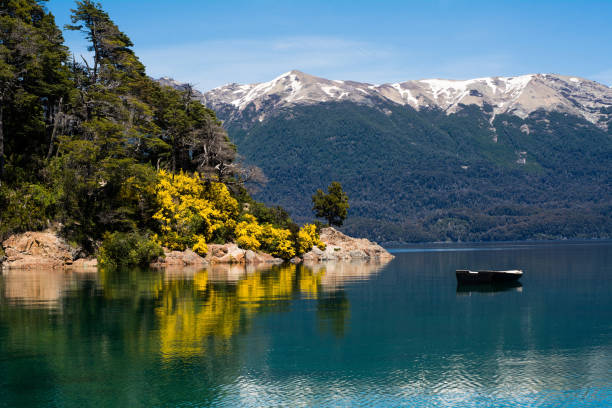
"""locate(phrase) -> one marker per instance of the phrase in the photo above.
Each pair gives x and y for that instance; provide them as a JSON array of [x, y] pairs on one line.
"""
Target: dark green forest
[[428, 176]]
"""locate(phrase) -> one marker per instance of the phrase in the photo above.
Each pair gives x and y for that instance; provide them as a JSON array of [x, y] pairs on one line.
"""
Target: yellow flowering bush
[[307, 238], [192, 211], [247, 232], [275, 241], [200, 246]]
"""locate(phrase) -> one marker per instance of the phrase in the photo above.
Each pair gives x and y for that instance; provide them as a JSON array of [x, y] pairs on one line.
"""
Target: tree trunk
[[94, 41], [173, 155], [56, 118]]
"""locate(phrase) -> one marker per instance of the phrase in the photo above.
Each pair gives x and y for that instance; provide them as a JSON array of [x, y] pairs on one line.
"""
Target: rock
[[358, 253], [179, 259], [314, 255], [330, 254], [37, 250], [250, 256], [218, 254], [84, 264], [315, 250], [295, 260], [340, 246], [310, 257], [263, 257], [231, 253], [226, 253]]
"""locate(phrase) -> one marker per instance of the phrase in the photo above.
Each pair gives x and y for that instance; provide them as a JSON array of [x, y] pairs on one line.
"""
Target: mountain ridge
[[518, 95]]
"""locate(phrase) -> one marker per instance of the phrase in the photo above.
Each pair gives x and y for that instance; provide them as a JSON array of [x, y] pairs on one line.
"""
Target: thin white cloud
[[214, 63], [209, 64]]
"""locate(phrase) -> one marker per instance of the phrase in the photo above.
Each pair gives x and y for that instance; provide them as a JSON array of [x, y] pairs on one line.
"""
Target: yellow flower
[[307, 238], [191, 210], [200, 246]]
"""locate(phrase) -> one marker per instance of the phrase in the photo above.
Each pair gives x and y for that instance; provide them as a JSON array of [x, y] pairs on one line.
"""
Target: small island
[[100, 165]]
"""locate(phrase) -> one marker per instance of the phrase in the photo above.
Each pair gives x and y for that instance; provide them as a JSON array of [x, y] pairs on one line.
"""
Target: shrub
[[308, 237], [275, 241], [193, 211], [200, 246], [27, 208], [247, 233], [277, 216], [120, 249]]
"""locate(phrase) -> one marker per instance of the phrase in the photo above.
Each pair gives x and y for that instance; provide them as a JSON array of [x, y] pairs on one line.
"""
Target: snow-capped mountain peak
[[292, 87], [519, 95]]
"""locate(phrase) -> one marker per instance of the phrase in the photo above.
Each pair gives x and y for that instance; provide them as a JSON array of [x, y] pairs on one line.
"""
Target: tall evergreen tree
[[34, 82]]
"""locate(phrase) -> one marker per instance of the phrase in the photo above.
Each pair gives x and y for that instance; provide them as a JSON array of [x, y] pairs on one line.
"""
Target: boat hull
[[467, 276]]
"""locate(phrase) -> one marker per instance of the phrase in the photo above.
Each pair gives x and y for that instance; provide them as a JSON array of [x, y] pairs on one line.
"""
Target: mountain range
[[521, 95], [496, 158]]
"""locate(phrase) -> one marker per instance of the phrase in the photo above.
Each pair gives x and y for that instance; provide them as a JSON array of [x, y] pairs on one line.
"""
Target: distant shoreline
[[458, 246]]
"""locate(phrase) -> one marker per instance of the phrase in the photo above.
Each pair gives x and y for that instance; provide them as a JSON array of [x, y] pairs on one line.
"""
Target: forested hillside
[[427, 175]]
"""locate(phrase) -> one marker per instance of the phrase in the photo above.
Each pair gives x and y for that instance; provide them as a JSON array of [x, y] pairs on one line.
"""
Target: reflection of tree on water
[[333, 311]]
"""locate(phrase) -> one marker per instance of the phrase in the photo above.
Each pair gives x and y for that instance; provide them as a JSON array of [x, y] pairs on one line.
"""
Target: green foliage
[[33, 83], [332, 206], [28, 207], [121, 249], [276, 216], [96, 191]]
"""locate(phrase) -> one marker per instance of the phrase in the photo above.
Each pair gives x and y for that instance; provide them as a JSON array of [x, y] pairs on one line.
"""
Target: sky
[[211, 43]]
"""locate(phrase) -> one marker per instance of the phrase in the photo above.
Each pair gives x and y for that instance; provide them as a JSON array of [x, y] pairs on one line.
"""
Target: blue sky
[[210, 43]]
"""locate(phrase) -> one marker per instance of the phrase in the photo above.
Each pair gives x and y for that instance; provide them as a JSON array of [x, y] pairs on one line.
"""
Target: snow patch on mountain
[[519, 95]]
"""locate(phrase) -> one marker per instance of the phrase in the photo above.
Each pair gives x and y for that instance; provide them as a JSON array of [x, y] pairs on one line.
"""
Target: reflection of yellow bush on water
[[257, 287], [310, 282], [192, 311], [187, 316]]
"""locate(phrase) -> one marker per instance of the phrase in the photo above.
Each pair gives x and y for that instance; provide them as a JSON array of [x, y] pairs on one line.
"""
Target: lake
[[341, 335]]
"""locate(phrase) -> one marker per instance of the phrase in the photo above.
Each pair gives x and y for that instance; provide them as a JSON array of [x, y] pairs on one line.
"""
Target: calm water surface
[[400, 334]]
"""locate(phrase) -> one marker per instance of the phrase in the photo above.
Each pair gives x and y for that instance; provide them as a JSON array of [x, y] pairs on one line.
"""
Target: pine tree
[[34, 83]]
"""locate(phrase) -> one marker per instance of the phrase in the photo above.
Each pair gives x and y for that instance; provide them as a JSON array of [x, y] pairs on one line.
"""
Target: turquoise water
[[354, 335]]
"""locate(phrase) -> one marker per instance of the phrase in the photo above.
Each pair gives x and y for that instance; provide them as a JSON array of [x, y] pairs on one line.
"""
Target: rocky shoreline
[[38, 250]]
